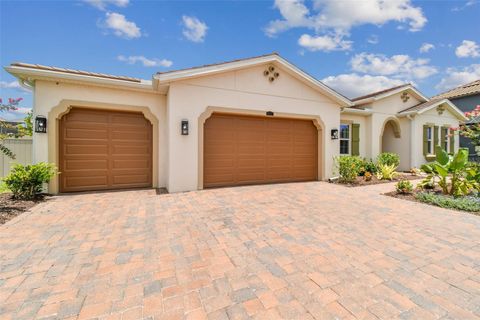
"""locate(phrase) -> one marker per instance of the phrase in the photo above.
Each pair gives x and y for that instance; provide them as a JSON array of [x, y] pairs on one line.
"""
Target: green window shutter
[[425, 143], [443, 135], [452, 141], [355, 139], [435, 139]]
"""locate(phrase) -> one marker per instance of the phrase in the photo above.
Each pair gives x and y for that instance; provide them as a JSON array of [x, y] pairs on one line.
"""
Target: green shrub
[[404, 186], [386, 172], [26, 182], [348, 167], [467, 203], [452, 173], [367, 166], [389, 159]]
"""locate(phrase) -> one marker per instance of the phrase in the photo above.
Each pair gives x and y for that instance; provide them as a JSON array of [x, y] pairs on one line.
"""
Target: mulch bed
[[10, 208], [411, 197], [360, 181]]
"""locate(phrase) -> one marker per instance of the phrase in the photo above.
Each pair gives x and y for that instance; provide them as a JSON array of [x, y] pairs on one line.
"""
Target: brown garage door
[[242, 150], [102, 150]]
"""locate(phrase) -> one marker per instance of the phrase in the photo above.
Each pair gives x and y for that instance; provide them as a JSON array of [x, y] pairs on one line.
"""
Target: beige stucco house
[[250, 121]]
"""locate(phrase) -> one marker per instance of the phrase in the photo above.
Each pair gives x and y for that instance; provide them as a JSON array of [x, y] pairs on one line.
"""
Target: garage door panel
[[86, 149], [85, 133], [102, 150], [258, 150], [86, 164]]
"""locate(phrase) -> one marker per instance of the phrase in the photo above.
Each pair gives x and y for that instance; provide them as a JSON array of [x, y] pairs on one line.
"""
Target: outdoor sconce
[[184, 127], [334, 134], [40, 124], [269, 113]]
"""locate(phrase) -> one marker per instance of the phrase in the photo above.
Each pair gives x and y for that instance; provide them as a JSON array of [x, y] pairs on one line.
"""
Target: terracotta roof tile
[[420, 106], [72, 71], [218, 63], [377, 93], [465, 90]]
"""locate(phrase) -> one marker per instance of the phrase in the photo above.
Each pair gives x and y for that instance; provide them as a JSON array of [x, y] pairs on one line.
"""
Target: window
[[430, 140], [344, 139]]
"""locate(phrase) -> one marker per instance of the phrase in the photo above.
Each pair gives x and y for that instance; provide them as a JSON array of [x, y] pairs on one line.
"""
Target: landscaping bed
[[360, 180], [10, 208], [467, 203]]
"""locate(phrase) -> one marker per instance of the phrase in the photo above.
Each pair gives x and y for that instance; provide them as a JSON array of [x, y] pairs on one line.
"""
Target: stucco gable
[[253, 80], [164, 79]]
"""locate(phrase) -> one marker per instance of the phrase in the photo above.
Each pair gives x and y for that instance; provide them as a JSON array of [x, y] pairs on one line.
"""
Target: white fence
[[22, 148]]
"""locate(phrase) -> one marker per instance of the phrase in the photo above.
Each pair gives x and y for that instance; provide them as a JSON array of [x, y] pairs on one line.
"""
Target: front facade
[[252, 121], [403, 121], [465, 98]]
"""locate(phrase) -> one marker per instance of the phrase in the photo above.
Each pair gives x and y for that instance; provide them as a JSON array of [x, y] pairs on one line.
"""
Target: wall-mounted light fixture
[[334, 134], [40, 124], [269, 113], [184, 127]]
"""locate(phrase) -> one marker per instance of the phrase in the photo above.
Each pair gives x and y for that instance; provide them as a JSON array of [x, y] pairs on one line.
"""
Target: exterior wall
[[362, 121], [385, 112], [245, 91], [53, 100], [430, 117]]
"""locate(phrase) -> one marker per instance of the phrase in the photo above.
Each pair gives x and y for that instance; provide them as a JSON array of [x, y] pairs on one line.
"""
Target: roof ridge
[[74, 71], [376, 93], [219, 63]]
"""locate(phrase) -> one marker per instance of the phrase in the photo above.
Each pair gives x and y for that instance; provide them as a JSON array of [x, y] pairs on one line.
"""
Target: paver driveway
[[295, 251]]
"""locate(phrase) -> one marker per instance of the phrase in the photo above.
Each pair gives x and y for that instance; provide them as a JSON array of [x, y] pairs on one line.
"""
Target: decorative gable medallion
[[404, 96], [440, 110], [271, 73]]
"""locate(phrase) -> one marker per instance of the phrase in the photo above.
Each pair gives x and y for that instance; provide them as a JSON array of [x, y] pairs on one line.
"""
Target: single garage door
[[240, 150], [102, 150]]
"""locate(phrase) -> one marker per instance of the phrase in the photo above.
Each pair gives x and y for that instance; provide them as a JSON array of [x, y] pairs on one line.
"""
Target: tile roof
[[465, 90], [420, 106], [219, 63], [71, 71], [377, 93]]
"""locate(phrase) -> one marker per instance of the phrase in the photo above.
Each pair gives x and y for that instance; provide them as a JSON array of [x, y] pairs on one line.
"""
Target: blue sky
[[353, 46]]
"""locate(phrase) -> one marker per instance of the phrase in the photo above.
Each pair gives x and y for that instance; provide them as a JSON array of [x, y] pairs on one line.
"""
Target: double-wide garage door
[[101, 150], [240, 150]]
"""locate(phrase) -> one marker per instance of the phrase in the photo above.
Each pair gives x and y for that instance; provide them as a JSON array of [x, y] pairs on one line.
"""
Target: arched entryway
[[390, 139]]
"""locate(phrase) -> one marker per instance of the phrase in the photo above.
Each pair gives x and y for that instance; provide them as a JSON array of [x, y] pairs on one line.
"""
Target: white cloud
[[12, 85], [102, 4], [373, 39], [398, 66], [194, 29], [121, 26], [324, 43], [468, 49], [456, 77], [145, 61], [339, 15], [353, 85], [466, 5], [425, 47]]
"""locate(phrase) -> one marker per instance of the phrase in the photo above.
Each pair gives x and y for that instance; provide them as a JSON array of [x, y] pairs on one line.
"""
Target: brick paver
[[293, 251]]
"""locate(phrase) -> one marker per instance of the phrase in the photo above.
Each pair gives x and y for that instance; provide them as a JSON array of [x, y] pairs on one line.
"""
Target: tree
[[5, 107], [471, 128], [26, 128]]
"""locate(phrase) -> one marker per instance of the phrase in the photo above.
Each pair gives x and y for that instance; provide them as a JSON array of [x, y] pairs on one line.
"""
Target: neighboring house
[[250, 121], [466, 98], [9, 126]]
